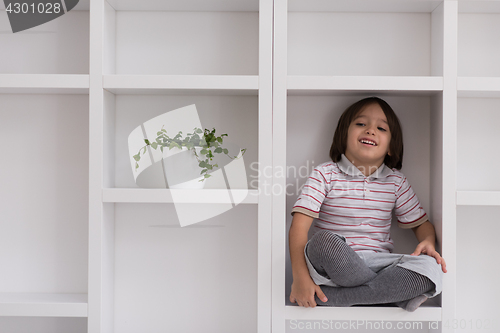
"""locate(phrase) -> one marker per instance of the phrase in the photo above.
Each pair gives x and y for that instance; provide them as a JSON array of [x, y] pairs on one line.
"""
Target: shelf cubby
[[478, 38], [474, 268], [477, 159], [154, 257], [44, 235], [168, 38], [235, 115], [365, 38], [417, 112], [60, 46]]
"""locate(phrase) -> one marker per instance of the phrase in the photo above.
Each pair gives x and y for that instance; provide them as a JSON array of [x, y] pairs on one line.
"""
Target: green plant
[[209, 143]]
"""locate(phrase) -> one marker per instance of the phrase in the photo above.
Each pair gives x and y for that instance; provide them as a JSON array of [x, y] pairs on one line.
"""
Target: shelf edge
[[478, 198], [382, 83], [118, 195], [362, 313]]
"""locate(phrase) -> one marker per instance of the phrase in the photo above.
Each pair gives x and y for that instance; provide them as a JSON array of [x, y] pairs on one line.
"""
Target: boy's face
[[368, 137]]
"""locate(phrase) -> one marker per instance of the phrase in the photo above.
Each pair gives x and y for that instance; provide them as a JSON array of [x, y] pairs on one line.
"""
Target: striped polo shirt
[[341, 199]]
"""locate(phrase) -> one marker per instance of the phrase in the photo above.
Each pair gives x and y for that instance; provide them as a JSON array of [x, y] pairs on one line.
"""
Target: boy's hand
[[427, 248], [303, 293]]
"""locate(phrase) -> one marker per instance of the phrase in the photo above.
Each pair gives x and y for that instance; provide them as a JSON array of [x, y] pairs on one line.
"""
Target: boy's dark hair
[[339, 144]]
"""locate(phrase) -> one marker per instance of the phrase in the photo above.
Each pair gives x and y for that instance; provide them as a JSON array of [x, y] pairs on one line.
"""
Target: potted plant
[[202, 144]]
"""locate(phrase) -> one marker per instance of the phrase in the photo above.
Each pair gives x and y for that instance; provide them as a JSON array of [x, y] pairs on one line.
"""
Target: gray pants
[[349, 278]]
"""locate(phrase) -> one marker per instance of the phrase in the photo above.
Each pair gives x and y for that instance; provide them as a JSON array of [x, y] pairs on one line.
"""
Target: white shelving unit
[[85, 249]]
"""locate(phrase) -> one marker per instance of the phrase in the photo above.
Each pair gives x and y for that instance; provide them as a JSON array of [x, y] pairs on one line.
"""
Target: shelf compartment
[[323, 84], [366, 38], [476, 235], [182, 84], [478, 87], [181, 196], [478, 198], [476, 161], [478, 38], [43, 305], [60, 46], [44, 233], [423, 313], [151, 263], [419, 117], [44, 84], [140, 41], [235, 115]]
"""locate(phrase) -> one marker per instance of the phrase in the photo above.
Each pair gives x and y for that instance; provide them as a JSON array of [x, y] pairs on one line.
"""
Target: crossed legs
[[332, 257]]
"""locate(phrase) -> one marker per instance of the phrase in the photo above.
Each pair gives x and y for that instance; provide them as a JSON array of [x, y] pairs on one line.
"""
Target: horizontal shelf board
[[321, 84], [153, 195], [387, 6], [186, 5], [182, 84], [478, 86], [43, 305], [478, 198], [44, 84], [362, 313]]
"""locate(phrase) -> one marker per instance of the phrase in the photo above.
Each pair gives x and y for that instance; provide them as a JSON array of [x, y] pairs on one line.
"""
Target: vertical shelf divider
[[279, 163], [99, 289], [449, 168], [265, 206]]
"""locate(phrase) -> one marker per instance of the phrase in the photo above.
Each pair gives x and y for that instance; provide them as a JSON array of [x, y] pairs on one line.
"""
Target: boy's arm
[[303, 287], [427, 239]]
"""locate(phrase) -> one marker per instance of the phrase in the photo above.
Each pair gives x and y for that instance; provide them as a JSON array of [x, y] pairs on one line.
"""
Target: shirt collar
[[348, 168]]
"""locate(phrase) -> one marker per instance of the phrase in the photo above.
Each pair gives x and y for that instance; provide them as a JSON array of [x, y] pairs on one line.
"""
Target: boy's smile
[[368, 139]]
